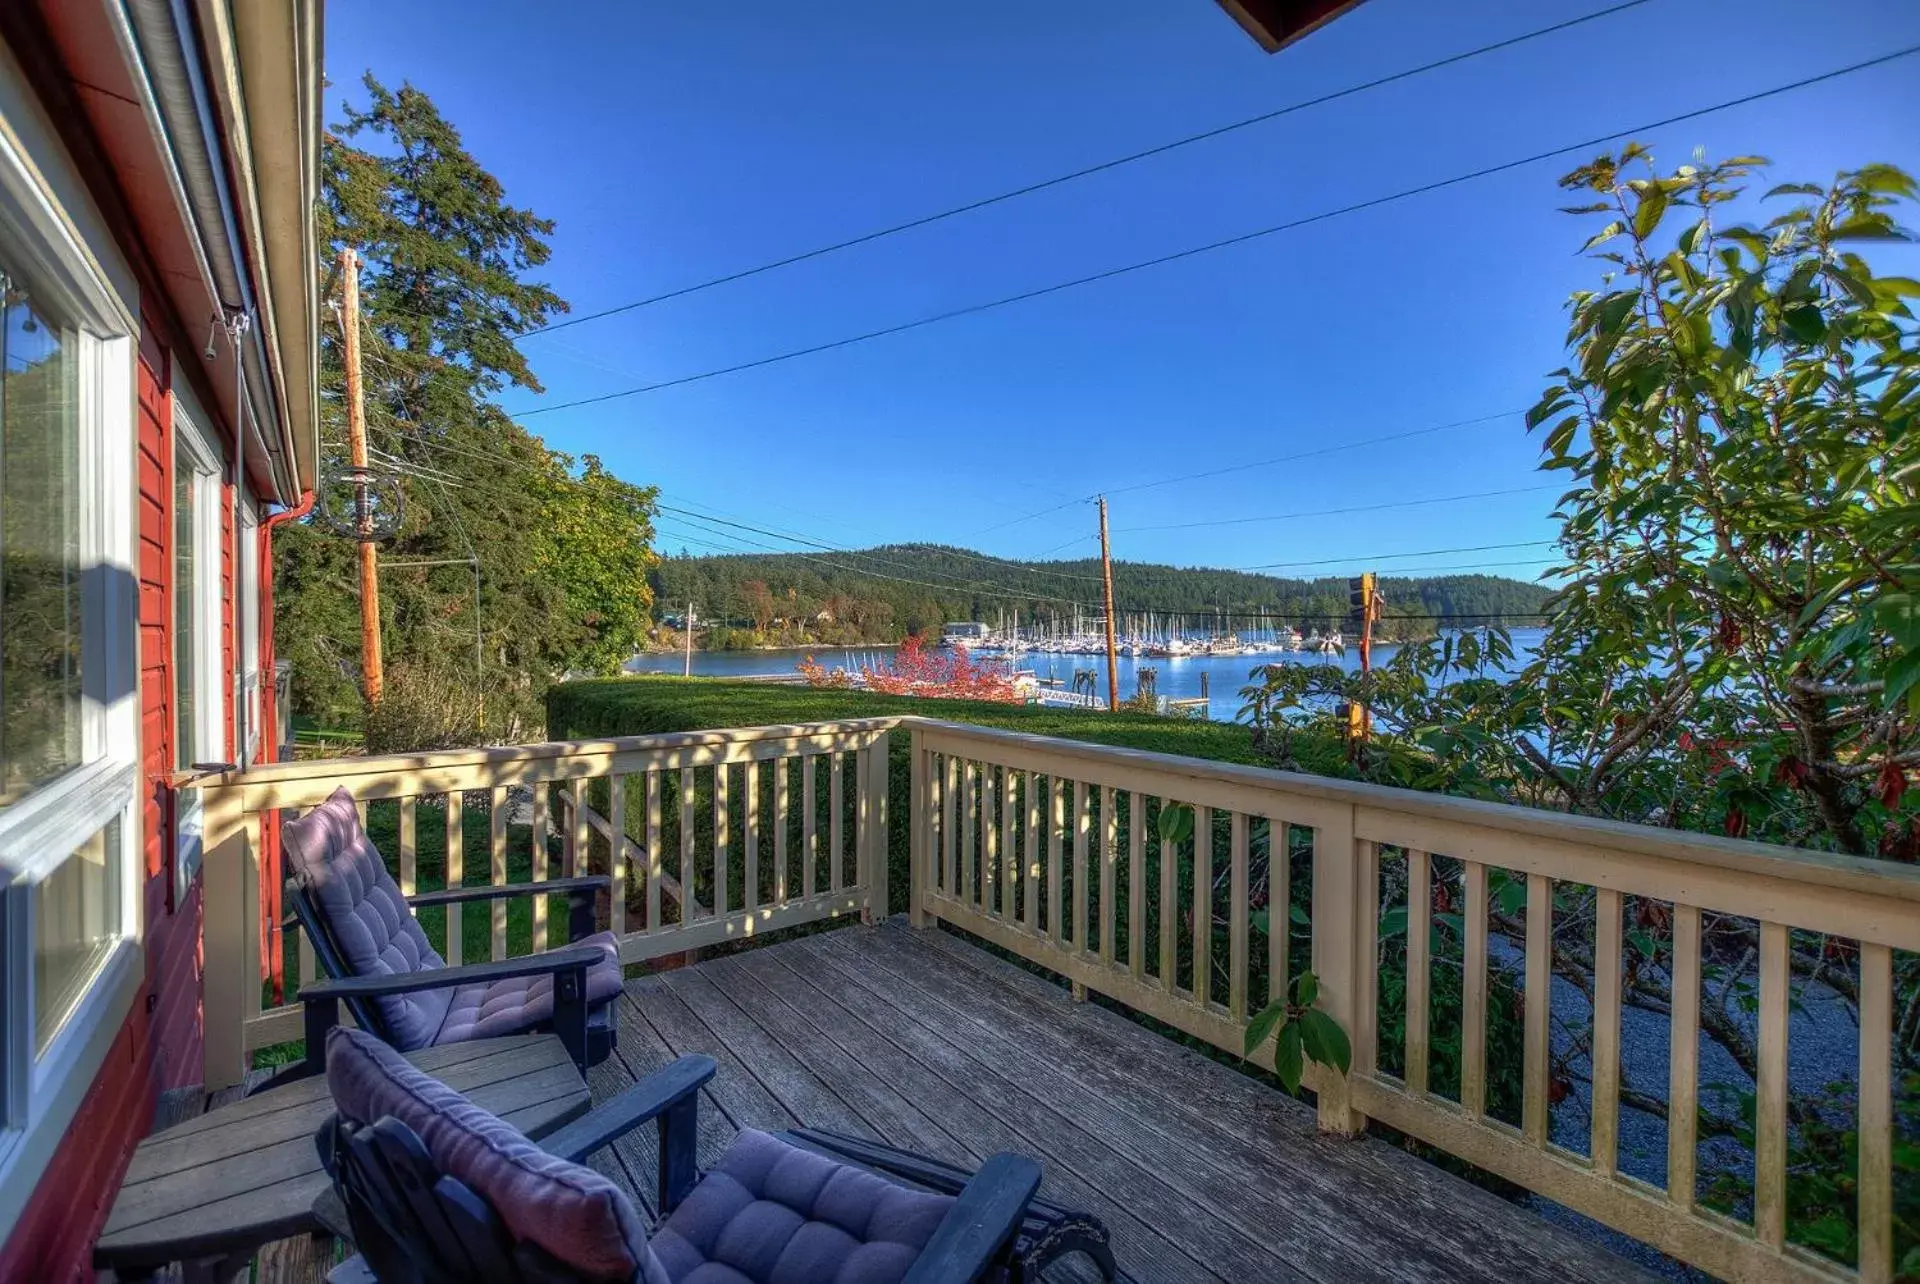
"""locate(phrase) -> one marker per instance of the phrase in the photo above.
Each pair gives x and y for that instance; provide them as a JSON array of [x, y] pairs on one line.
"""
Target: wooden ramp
[[926, 1042]]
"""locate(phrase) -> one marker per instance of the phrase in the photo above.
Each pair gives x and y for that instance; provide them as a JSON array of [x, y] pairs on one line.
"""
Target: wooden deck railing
[[1049, 849], [680, 822], [1529, 921]]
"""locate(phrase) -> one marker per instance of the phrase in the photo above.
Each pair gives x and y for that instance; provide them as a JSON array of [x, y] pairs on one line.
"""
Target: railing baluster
[[1770, 1091], [497, 875], [1202, 905], [1109, 840], [989, 839], [1031, 907], [687, 782], [782, 818], [1056, 913], [721, 773], [969, 847], [456, 849], [1875, 1120], [950, 825], [409, 849], [656, 864], [1279, 905], [1237, 917], [309, 961], [617, 854], [836, 836], [750, 837], [1366, 951], [1604, 1143], [1683, 1070], [537, 854], [1419, 965], [1136, 884], [578, 853], [1009, 855], [1169, 915], [1082, 837], [1538, 1001], [1473, 992]]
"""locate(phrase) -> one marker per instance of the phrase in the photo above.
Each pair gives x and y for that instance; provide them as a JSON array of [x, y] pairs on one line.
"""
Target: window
[[199, 733], [70, 964]]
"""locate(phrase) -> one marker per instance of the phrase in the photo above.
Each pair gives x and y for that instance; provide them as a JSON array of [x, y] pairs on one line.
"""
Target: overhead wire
[[1088, 171], [1339, 512], [1422, 189]]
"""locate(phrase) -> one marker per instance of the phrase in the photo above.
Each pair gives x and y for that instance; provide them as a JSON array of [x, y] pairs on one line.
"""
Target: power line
[[1087, 172], [1362, 559], [1315, 453], [1341, 512], [1245, 237]]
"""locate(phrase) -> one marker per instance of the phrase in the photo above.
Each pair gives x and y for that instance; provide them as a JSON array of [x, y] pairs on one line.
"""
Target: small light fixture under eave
[[1275, 24]]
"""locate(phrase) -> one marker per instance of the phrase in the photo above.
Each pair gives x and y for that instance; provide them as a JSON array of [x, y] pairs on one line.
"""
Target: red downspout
[[270, 888]]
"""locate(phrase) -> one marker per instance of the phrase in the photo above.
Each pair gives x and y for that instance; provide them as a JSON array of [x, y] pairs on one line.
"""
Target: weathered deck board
[[1201, 1173]]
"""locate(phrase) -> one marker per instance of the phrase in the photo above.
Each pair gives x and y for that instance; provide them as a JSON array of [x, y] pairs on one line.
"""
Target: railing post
[[230, 882], [920, 831], [874, 806], [1339, 935]]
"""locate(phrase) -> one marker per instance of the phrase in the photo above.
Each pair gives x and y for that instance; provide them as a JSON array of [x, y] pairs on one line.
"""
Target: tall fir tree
[[563, 546]]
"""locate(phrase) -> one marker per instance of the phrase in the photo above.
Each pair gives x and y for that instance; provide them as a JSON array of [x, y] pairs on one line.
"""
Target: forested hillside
[[882, 594]]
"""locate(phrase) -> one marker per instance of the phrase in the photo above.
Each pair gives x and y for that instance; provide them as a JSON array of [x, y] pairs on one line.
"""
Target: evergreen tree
[[563, 548]]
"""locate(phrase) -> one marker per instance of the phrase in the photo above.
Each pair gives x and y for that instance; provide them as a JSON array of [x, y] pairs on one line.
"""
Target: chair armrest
[[981, 1223], [373, 987], [652, 1097], [552, 887]]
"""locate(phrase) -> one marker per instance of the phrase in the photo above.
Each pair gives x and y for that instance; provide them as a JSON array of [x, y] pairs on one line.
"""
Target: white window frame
[[41, 1091], [194, 450]]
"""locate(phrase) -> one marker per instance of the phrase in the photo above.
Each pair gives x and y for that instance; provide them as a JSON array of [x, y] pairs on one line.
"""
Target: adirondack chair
[[437, 1190], [380, 964]]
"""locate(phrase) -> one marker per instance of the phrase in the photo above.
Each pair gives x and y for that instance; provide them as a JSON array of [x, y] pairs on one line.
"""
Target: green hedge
[[606, 707]]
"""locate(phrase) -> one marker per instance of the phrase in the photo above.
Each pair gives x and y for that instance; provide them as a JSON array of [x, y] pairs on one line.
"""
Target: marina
[[1218, 674]]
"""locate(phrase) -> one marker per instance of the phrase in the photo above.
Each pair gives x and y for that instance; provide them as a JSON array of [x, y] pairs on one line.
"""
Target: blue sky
[[676, 142]]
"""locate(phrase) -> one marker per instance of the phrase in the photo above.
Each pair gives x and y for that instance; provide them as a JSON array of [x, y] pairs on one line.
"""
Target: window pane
[[39, 544], [185, 643], [76, 918]]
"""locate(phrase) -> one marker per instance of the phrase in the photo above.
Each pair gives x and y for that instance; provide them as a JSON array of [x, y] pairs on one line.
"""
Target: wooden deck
[[927, 1042]]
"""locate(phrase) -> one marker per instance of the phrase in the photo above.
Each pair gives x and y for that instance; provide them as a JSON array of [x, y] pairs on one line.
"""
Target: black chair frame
[[415, 1225], [588, 1041]]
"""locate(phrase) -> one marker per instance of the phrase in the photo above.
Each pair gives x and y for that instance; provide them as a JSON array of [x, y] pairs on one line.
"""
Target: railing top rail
[[344, 769], [1828, 869]]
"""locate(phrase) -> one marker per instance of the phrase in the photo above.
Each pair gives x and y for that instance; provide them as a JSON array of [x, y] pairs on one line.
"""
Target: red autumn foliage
[[1892, 784], [943, 674]]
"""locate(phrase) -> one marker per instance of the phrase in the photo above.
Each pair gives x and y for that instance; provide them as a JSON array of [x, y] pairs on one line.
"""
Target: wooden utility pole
[[1113, 648], [373, 673]]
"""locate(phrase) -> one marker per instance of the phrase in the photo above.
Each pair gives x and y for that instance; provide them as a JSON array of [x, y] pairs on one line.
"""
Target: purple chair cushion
[[522, 1002], [369, 920], [772, 1213], [577, 1216]]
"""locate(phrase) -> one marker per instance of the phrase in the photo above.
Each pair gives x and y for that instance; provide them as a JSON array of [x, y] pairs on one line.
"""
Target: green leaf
[[1323, 1040], [1261, 920], [1394, 922], [1287, 1059], [1806, 323], [1176, 823], [1604, 235], [1899, 614], [1653, 205], [1299, 917], [1793, 189], [1306, 989], [1264, 1023]]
